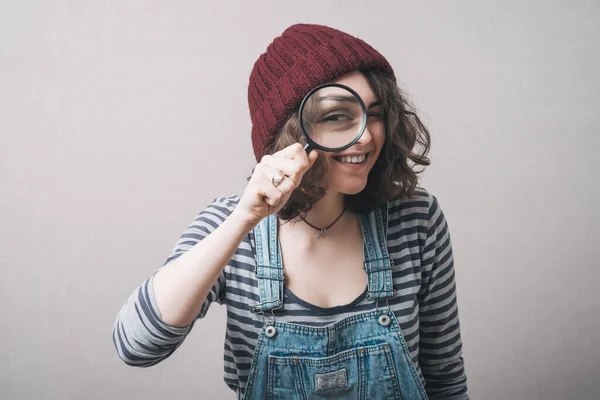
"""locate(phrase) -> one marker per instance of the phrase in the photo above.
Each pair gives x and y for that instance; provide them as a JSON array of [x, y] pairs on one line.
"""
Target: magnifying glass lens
[[332, 117]]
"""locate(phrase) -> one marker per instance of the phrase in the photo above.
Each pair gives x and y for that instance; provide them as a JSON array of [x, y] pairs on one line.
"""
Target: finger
[[291, 168], [275, 195], [288, 151], [295, 152], [312, 157], [286, 186], [270, 193], [269, 173]]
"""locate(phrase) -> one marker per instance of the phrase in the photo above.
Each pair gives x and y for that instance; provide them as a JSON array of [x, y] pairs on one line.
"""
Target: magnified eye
[[335, 118]]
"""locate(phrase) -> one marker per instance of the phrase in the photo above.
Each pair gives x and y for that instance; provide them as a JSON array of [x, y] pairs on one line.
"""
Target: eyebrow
[[350, 99]]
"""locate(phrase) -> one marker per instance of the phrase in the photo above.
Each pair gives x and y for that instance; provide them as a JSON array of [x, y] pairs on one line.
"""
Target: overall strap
[[269, 269], [378, 263]]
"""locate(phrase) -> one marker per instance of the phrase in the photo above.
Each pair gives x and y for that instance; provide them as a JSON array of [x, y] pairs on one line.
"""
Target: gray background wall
[[119, 121]]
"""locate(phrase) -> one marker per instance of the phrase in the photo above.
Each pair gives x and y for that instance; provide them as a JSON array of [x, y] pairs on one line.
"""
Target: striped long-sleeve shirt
[[425, 306]]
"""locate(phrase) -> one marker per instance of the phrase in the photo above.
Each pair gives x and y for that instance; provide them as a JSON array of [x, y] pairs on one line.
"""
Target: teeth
[[353, 159]]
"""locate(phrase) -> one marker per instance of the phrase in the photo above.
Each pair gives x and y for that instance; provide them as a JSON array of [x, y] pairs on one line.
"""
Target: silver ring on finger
[[276, 180]]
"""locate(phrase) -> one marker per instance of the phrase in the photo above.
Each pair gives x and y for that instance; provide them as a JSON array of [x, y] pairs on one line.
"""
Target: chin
[[351, 189], [353, 192]]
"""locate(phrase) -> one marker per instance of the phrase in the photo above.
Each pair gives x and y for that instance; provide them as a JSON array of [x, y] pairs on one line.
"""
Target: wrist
[[243, 220]]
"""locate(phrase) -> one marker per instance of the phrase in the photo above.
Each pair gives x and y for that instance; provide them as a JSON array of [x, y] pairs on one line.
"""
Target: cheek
[[378, 133]]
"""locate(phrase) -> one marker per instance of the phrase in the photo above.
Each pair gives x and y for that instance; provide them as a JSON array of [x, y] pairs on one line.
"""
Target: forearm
[[181, 286]]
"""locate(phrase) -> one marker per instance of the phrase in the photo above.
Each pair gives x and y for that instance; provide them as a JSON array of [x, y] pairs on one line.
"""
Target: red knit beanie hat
[[303, 57]]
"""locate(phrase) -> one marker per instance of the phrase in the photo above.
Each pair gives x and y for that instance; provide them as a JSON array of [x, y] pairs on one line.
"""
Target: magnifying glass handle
[[308, 148]]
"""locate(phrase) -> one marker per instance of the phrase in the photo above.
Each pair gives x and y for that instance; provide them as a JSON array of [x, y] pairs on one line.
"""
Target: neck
[[323, 213], [326, 210]]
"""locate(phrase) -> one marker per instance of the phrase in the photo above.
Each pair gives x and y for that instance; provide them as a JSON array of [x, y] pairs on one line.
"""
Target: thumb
[[312, 157]]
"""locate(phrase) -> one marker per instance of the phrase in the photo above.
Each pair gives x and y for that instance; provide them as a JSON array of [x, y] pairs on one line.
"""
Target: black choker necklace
[[323, 231]]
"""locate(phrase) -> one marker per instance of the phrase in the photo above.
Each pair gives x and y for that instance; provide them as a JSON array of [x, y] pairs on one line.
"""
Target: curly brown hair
[[393, 176]]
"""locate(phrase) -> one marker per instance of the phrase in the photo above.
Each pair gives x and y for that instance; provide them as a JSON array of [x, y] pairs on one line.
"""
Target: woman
[[367, 305]]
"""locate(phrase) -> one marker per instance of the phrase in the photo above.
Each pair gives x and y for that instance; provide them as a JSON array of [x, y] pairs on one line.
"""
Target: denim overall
[[363, 356]]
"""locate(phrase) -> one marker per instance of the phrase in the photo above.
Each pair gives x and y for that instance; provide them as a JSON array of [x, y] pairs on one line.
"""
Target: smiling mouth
[[352, 159]]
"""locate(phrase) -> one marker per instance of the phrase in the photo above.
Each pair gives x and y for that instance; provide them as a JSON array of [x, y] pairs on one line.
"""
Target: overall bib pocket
[[360, 373]]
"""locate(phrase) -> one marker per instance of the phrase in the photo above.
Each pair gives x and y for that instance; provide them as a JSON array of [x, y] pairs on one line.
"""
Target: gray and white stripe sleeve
[[140, 335], [440, 354]]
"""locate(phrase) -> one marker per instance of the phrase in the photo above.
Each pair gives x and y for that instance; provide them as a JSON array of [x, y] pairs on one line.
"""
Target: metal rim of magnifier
[[312, 144]]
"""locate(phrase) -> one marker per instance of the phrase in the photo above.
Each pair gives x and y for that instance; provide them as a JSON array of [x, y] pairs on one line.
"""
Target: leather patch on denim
[[331, 380]]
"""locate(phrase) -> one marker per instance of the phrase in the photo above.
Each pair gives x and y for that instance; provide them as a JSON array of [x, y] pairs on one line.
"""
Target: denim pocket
[[361, 373]]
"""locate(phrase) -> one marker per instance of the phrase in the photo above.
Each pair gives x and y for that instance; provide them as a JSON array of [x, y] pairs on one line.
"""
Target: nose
[[366, 137]]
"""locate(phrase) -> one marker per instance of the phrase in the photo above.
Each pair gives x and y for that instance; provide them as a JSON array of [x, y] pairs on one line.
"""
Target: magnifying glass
[[332, 117]]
